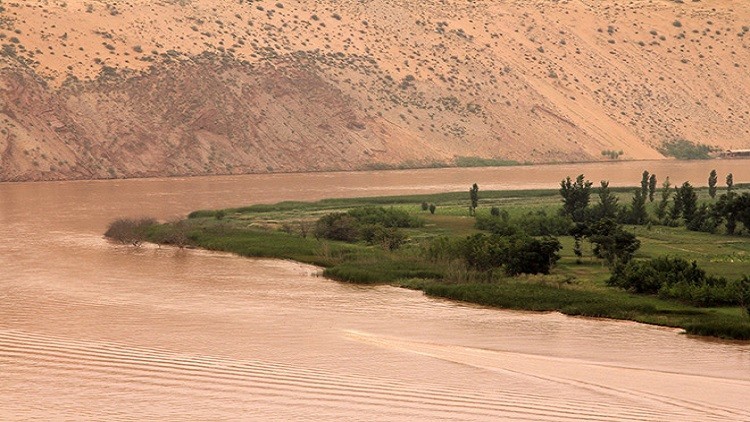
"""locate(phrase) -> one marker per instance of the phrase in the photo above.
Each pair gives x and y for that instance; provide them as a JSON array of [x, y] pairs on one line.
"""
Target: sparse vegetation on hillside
[[200, 87], [483, 162], [612, 155], [682, 149]]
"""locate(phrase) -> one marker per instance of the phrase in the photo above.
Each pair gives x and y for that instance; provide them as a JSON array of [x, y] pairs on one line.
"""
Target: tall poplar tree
[[712, 179], [651, 187]]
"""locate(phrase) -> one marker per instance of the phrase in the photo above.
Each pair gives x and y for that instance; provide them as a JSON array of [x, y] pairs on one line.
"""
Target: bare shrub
[[176, 234], [304, 228], [129, 231]]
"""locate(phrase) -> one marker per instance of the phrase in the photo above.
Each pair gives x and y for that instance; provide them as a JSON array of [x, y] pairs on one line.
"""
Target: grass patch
[[483, 162], [601, 304]]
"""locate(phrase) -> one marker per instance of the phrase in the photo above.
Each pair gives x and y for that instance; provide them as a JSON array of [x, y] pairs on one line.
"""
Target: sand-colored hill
[[126, 88]]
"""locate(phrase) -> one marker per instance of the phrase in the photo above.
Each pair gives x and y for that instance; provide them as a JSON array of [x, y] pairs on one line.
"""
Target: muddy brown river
[[95, 331]]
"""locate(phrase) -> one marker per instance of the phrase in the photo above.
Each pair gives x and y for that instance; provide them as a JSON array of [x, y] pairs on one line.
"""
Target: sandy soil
[[96, 88]]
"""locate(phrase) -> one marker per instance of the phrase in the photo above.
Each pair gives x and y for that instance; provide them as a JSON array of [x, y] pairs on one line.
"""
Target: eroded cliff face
[[139, 88], [201, 117]]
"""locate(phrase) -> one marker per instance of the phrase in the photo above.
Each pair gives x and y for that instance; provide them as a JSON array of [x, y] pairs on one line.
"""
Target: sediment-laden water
[[91, 330]]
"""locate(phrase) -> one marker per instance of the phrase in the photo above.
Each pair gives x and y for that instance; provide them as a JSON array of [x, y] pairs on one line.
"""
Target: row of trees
[[673, 278], [599, 224], [677, 206]]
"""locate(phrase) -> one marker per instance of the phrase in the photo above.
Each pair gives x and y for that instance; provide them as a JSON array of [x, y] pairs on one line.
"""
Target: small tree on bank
[[474, 198], [644, 183], [730, 183], [666, 192], [689, 201], [712, 179], [612, 243], [651, 187], [676, 211], [607, 206], [638, 214], [575, 197]]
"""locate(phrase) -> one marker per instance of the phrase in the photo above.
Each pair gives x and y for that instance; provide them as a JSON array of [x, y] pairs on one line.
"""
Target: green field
[[575, 286]]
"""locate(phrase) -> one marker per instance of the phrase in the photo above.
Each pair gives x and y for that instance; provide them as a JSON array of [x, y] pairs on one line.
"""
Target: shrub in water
[[129, 231]]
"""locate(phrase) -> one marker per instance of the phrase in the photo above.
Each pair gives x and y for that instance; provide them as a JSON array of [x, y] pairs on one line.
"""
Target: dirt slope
[[109, 88]]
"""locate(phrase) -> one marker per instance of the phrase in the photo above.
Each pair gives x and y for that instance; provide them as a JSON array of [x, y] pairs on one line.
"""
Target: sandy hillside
[[116, 88]]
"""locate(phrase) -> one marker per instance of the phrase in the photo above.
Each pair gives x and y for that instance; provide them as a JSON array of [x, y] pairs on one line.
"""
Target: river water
[[95, 331]]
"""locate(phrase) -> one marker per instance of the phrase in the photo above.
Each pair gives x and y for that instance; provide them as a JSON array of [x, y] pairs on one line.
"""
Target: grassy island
[[505, 249]]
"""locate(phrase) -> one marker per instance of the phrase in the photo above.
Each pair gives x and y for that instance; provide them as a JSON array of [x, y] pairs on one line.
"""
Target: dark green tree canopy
[[474, 198], [651, 187], [666, 192], [612, 243], [689, 200], [607, 206], [730, 183], [638, 213], [712, 180], [644, 183], [575, 197]]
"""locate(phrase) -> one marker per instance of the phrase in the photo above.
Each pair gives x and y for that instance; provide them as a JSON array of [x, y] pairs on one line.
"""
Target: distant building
[[735, 153]]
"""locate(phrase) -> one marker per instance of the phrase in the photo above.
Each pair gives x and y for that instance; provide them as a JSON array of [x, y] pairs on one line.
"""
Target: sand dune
[[97, 89]]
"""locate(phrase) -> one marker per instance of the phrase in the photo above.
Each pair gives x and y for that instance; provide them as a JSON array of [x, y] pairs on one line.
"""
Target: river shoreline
[[270, 231], [722, 162], [99, 331]]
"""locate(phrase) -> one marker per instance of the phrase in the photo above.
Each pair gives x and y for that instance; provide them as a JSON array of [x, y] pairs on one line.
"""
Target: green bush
[[527, 255], [517, 254], [713, 291], [337, 226], [683, 149], [390, 238], [650, 276], [443, 249], [374, 225], [202, 214], [498, 225], [533, 224], [386, 217], [743, 290], [540, 224], [676, 278]]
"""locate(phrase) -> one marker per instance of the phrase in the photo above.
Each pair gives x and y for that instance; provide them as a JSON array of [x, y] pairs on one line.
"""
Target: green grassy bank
[[575, 286]]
